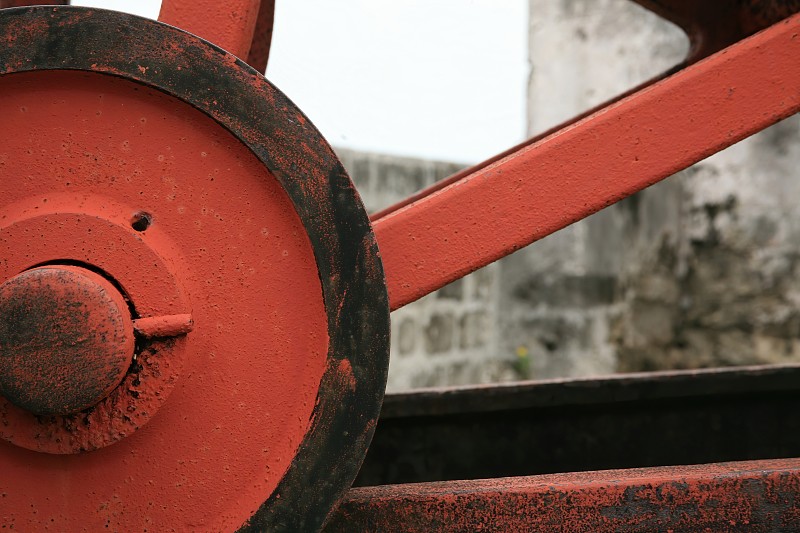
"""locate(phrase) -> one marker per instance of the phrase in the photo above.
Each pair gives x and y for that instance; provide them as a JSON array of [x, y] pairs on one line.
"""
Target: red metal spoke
[[594, 163], [229, 25], [752, 496], [262, 36]]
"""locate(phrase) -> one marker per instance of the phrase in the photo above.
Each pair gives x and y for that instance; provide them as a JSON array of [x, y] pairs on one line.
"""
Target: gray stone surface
[[699, 270]]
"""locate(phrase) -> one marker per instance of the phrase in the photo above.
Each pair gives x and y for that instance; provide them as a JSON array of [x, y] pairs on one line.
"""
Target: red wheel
[[145, 166]]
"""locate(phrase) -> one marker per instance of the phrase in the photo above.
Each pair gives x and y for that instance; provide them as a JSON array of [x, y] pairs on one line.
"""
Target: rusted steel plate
[[622, 421], [758, 496], [175, 171], [595, 162]]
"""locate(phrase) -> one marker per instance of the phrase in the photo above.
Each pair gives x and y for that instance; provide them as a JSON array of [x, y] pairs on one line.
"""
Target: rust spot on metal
[[346, 374], [66, 339]]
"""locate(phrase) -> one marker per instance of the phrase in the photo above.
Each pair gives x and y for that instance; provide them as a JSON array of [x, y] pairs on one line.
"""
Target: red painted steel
[[441, 184], [262, 36], [82, 153], [243, 27], [160, 202], [54, 227], [587, 166], [230, 25], [166, 166], [757, 496]]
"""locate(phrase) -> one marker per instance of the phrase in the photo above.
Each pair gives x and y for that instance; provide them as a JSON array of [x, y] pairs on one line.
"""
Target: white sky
[[442, 79]]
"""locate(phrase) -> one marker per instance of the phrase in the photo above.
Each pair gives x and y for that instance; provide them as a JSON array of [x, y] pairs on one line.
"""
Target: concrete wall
[[565, 299], [700, 270]]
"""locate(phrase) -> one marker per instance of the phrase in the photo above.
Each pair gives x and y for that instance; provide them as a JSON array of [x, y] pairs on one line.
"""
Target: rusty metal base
[[748, 496], [636, 423]]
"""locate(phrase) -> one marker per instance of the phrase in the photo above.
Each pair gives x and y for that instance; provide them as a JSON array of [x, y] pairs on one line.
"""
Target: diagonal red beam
[[743, 496], [591, 164], [441, 184], [711, 25]]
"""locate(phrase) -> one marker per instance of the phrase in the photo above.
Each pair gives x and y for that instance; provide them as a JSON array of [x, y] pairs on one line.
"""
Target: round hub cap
[[66, 339]]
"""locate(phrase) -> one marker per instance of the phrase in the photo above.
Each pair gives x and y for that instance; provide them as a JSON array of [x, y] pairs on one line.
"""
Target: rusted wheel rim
[[277, 389]]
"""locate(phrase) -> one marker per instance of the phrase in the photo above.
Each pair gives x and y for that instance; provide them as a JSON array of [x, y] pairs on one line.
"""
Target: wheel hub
[[66, 339]]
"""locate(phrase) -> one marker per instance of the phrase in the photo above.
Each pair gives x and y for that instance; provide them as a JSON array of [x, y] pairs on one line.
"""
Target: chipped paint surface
[[757, 496], [265, 428]]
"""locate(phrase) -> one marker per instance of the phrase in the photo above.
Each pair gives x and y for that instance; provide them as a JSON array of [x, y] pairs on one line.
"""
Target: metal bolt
[[66, 339]]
